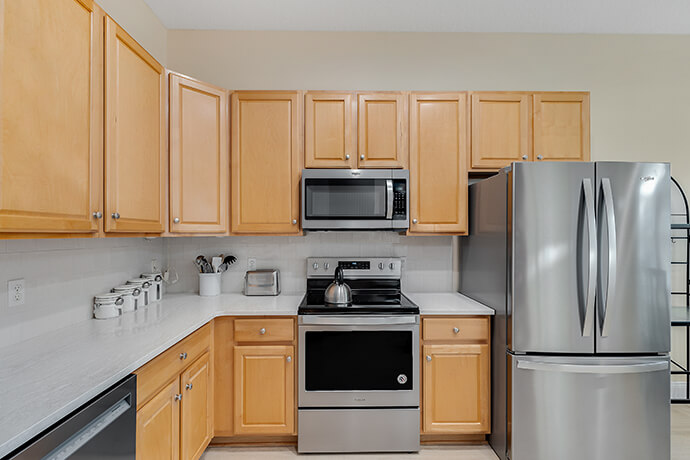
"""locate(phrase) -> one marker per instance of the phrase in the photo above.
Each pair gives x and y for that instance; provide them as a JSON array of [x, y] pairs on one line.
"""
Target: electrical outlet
[[15, 293], [251, 263], [155, 266]]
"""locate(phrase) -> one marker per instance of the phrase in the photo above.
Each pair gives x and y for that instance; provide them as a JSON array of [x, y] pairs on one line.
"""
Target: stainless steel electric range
[[358, 364]]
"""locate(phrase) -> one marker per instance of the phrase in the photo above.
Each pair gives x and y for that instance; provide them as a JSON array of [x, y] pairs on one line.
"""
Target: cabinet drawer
[[169, 364], [265, 330], [468, 329]]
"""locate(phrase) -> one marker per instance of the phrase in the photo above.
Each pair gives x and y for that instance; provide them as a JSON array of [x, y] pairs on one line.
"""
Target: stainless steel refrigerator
[[575, 259]]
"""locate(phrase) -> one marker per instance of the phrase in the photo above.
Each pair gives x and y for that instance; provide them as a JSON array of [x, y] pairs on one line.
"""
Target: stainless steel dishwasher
[[105, 427]]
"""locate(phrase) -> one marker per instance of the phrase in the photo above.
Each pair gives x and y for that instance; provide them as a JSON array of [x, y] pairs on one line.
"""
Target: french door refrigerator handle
[[590, 210], [613, 254], [594, 368], [389, 196]]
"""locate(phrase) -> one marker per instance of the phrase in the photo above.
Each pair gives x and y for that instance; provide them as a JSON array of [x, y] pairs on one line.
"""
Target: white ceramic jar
[[156, 280], [145, 287], [130, 294], [107, 305]]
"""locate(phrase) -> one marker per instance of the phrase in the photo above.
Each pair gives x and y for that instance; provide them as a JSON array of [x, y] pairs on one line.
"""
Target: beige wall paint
[[640, 85], [140, 22]]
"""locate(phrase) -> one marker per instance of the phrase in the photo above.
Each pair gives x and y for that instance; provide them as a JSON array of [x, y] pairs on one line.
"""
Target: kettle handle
[[339, 275]]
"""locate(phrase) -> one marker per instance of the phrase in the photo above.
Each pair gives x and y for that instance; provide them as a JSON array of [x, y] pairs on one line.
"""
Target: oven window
[[345, 198], [358, 360]]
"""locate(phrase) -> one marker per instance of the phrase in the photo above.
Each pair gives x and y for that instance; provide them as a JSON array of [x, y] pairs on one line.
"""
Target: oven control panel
[[355, 267]]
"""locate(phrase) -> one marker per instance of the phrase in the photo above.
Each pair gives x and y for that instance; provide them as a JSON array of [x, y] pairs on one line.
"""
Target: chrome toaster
[[262, 282]]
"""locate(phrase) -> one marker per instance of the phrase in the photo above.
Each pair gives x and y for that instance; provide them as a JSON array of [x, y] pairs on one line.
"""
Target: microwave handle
[[389, 201]]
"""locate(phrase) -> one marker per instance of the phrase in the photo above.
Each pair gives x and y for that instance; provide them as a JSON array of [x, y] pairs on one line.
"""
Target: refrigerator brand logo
[[647, 178], [360, 399]]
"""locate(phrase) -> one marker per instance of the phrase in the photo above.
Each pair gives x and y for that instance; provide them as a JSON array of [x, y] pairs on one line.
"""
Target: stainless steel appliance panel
[[635, 257], [554, 257], [590, 408], [358, 430]]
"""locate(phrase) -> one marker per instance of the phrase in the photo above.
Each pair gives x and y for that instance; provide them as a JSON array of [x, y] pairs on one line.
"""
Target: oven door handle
[[357, 321]]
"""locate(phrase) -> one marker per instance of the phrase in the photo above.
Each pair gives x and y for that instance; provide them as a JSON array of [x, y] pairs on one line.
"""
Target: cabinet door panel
[[158, 426], [561, 126], [264, 390], [501, 129], [329, 140], [438, 163], [196, 427], [51, 115], [266, 162], [134, 130], [382, 130], [199, 157], [456, 389]]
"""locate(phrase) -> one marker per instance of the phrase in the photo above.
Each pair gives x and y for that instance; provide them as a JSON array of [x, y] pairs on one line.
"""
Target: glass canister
[[156, 280], [131, 296], [107, 305], [145, 287]]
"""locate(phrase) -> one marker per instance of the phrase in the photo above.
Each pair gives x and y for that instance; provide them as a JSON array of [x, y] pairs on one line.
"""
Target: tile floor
[[680, 448]]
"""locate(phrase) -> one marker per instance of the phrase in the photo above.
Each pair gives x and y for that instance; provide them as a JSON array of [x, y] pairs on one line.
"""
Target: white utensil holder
[[209, 284]]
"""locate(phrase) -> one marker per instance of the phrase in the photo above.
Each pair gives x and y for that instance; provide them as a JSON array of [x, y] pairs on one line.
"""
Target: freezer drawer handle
[[604, 316], [588, 190], [90, 431], [594, 368]]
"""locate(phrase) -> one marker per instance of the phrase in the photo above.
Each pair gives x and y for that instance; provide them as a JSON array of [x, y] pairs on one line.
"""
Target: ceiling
[[532, 16]]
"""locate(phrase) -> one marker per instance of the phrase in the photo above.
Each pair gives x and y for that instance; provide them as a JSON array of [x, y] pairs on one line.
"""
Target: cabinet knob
[[524, 157], [428, 358], [294, 221], [539, 157], [116, 215], [98, 214], [188, 386], [262, 331], [347, 157], [183, 355], [455, 330], [361, 157], [289, 359], [178, 397], [414, 221], [176, 220]]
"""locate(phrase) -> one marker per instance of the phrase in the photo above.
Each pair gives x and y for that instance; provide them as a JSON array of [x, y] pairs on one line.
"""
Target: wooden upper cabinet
[[438, 163], [135, 173], [456, 397], [329, 136], [264, 389], [501, 129], [158, 425], [199, 157], [266, 161], [196, 428], [51, 115], [561, 126], [382, 130]]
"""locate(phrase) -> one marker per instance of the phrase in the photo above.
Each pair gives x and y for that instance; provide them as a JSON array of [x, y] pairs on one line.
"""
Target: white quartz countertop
[[46, 378], [447, 303]]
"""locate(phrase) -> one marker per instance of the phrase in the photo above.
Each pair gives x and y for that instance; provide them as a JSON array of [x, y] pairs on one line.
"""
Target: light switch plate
[[15, 293], [251, 263]]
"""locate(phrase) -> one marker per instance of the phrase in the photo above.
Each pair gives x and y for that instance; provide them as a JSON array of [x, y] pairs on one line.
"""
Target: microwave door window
[[345, 198]]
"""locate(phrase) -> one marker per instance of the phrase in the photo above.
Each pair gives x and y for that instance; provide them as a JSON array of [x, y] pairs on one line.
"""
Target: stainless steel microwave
[[355, 199]]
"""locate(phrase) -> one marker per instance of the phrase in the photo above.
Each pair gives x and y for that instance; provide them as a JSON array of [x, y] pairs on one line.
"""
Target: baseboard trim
[[439, 439], [255, 441]]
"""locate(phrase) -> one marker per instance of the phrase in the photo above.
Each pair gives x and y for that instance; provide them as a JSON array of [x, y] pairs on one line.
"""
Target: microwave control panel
[[399, 200]]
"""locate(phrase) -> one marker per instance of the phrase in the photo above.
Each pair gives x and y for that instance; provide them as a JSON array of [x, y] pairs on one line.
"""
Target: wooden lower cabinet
[[158, 425], [196, 410], [264, 389]]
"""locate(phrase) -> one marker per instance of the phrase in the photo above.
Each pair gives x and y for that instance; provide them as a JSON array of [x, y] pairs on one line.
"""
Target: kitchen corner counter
[[448, 303], [45, 378]]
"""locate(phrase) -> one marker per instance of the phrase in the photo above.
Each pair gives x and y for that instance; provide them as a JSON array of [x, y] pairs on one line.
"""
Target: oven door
[[354, 199], [358, 361]]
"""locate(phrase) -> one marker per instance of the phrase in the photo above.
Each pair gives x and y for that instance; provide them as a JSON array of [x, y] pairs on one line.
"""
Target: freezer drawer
[[589, 408]]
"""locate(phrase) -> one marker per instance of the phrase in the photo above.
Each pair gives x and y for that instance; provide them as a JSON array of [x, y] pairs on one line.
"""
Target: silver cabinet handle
[[607, 196], [455, 330], [524, 157], [361, 157], [428, 358], [98, 214], [188, 386], [414, 221], [116, 215], [262, 331], [347, 157], [178, 397], [539, 157], [294, 221], [183, 355], [289, 359], [176, 220]]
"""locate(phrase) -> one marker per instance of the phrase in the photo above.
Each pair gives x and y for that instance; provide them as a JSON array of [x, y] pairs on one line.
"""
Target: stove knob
[[315, 266], [380, 265], [391, 265], [326, 265]]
